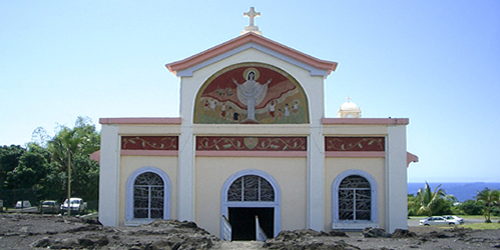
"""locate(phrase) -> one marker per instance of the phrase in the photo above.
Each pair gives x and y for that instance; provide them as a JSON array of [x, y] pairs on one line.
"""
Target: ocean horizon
[[461, 190]]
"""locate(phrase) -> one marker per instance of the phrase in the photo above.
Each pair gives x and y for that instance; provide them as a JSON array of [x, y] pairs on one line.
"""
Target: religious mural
[[251, 93]]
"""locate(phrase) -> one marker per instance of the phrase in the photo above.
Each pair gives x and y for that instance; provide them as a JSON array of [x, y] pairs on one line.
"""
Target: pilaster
[[396, 179], [185, 177], [316, 180], [109, 177]]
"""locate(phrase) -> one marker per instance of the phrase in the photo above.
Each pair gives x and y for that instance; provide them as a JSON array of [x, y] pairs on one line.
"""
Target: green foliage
[[43, 166], [413, 205], [52, 185], [430, 201], [30, 170], [444, 205], [488, 198], [9, 160], [469, 207], [85, 179], [495, 211], [70, 150]]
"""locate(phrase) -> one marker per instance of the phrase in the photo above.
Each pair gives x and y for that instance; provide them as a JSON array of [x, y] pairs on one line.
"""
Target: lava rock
[[370, 232], [403, 233]]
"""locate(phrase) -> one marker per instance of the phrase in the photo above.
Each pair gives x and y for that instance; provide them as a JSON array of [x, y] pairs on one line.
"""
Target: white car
[[437, 220], [454, 217], [76, 206], [23, 204]]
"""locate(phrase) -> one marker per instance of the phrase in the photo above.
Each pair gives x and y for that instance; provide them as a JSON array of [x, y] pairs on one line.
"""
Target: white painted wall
[[396, 176], [109, 175]]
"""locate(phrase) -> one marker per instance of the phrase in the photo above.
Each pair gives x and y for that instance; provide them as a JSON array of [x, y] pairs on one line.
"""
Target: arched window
[[250, 188], [354, 199], [148, 196]]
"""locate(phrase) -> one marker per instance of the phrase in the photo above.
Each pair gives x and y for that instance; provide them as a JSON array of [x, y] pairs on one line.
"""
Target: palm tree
[[69, 143], [65, 145], [488, 198], [428, 199]]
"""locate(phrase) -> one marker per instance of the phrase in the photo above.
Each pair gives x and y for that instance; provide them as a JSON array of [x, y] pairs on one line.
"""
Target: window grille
[[148, 196], [250, 188], [354, 198]]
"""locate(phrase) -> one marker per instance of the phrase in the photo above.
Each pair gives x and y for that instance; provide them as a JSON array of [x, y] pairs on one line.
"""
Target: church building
[[252, 140]]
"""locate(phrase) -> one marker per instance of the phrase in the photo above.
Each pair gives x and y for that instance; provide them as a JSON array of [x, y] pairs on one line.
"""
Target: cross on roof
[[252, 15]]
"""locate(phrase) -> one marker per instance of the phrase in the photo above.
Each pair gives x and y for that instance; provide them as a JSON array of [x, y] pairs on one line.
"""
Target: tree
[[40, 137], [429, 200], [31, 169], [51, 185], [50, 168], [488, 198], [469, 207], [86, 178], [9, 160], [69, 143], [413, 205]]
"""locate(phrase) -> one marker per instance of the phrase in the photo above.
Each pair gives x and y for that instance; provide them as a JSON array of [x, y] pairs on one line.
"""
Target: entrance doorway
[[242, 220], [246, 194]]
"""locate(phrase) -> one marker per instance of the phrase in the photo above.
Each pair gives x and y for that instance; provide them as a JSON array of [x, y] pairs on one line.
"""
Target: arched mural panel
[[251, 93]]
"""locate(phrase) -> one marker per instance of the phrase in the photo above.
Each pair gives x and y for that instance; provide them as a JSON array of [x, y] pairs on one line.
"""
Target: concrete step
[[226, 245]]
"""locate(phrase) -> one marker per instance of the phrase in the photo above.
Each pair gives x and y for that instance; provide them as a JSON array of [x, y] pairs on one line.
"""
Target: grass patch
[[479, 217], [482, 226]]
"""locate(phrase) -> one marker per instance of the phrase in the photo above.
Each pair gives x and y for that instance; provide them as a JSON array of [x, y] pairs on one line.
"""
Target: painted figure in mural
[[223, 110], [236, 116], [212, 104], [295, 108], [287, 110], [251, 93], [272, 108], [229, 115]]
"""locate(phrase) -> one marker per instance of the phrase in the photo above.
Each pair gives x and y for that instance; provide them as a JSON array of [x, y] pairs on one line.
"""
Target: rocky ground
[[31, 231]]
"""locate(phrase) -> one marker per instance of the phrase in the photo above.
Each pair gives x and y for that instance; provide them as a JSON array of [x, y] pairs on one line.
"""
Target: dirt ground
[[34, 231]]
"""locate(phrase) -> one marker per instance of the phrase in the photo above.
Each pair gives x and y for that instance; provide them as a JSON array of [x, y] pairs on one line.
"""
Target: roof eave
[[249, 37]]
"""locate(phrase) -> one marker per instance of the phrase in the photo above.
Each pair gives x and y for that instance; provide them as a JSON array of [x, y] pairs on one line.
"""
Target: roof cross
[[252, 15]]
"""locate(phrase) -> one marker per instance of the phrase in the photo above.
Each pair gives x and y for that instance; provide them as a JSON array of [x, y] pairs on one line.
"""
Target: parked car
[[437, 220], [50, 207], [23, 204], [77, 206], [454, 217]]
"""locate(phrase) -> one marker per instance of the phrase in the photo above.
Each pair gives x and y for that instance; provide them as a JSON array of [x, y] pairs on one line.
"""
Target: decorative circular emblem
[[251, 142]]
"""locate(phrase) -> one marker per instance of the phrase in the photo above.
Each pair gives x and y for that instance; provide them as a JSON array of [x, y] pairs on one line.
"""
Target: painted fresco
[[251, 143], [150, 142], [354, 143], [251, 93]]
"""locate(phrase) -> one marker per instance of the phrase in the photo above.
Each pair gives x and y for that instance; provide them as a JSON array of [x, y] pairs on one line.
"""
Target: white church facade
[[252, 140]]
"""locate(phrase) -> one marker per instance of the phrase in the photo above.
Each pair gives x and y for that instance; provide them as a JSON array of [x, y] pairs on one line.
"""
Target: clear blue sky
[[435, 62]]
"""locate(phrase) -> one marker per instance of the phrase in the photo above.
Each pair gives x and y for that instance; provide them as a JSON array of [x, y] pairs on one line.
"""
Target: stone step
[[226, 245]]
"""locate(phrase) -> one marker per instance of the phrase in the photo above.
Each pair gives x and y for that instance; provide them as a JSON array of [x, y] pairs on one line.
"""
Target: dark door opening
[[242, 220]]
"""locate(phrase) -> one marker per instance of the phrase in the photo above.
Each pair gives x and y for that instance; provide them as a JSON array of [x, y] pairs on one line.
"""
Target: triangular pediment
[[247, 41]]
